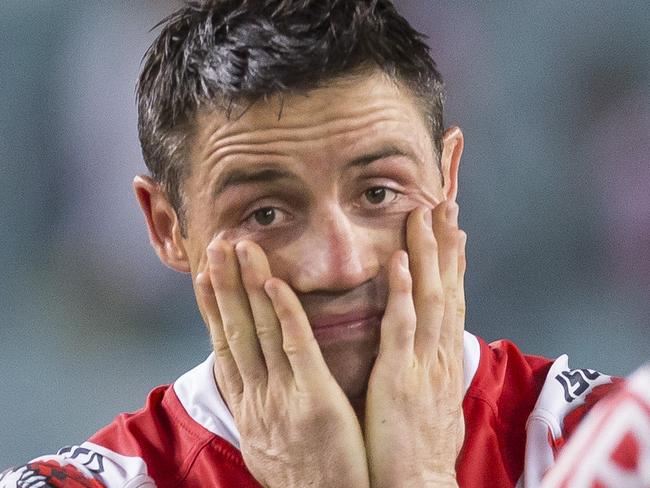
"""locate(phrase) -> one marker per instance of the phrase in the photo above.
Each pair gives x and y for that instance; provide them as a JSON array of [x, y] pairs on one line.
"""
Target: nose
[[334, 255]]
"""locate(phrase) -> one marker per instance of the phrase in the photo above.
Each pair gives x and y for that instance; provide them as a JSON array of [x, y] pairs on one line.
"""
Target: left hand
[[414, 426]]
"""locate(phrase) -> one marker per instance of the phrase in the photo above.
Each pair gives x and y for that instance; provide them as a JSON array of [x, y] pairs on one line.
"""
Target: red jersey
[[518, 412]]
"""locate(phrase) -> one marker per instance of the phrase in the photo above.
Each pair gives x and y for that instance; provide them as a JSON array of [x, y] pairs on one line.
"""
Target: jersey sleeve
[[566, 397], [86, 466], [611, 448]]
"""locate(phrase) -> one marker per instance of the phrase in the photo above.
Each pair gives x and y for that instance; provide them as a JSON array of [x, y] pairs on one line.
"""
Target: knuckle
[[221, 348], [293, 348], [429, 238], [409, 319], [267, 331], [435, 299], [290, 348], [451, 235], [253, 279], [402, 338], [283, 313], [403, 286], [451, 292], [427, 332], [220, 282], [293, 322], [452, 231], [233, 334]]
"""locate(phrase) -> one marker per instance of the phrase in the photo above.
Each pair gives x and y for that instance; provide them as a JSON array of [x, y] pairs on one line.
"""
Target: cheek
[[200, 233], [390, 238], [283, 263]]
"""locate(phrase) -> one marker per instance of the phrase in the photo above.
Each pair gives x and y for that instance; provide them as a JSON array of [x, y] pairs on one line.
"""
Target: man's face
[[324, 187]]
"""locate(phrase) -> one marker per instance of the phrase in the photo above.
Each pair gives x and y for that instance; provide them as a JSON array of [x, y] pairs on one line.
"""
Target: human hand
[[414, 426], [297, 427]]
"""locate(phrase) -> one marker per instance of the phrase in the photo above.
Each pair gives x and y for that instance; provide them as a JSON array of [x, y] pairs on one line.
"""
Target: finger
[[447, 236], [232, 400], [462, 267], [229, 378], [235, 312], [399, 321], [255, 271], [307, 364], [446, 233], [428, 296]]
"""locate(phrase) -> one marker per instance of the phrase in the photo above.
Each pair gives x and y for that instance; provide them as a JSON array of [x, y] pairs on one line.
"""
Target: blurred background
[[554, 101]]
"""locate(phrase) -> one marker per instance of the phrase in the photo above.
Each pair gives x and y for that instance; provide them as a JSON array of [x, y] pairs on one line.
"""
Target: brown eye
[[264, 216], [376, 195]]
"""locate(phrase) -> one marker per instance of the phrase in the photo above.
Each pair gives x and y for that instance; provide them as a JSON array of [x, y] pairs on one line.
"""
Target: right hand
[[297, 426]]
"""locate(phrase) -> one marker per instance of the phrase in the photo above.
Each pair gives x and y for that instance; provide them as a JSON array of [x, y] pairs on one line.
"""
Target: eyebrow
[[243, 176], [386, 152]]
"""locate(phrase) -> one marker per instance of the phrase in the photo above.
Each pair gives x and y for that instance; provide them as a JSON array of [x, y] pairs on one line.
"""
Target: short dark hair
[[225, 53]]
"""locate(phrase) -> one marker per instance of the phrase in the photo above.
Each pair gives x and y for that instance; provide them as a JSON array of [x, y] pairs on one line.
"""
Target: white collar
[[199, 395]]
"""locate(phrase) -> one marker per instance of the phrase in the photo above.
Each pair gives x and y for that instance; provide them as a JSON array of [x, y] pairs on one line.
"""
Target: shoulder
[[521, 408], [537, 389], [505, 378]]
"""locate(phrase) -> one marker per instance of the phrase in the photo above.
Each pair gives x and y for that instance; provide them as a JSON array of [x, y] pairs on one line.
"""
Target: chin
[[351, 365]]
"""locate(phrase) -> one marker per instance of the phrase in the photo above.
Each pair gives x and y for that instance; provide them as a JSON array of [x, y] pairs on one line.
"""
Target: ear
[[452, 150], [162, 222]]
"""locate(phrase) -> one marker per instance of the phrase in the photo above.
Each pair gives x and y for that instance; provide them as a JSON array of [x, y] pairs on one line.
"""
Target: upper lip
[[323, 320]]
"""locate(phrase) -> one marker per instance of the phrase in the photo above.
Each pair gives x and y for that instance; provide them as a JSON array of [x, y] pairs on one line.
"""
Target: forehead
[[344, 102]]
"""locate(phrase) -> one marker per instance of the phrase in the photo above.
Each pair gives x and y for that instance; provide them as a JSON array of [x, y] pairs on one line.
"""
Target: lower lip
[[359, 330]]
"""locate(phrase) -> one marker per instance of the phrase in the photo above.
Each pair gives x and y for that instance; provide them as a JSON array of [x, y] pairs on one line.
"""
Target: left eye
[[265, 216], [379, 194]]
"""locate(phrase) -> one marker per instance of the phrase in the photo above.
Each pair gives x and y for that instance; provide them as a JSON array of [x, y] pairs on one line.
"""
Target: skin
[[270, 258]]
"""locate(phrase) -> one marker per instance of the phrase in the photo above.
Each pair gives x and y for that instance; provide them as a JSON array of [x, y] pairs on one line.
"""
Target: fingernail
[[427, 218], [242, 252], [404, 261]]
